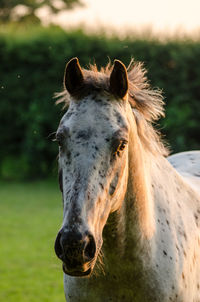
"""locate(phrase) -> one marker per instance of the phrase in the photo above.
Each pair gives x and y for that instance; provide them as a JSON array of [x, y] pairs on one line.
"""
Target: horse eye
[[120, 147]]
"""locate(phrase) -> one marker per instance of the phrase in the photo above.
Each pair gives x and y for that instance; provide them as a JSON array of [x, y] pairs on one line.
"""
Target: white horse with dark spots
[[131, 225]]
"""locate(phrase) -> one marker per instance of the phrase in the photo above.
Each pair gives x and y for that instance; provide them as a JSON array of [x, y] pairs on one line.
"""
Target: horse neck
[[152, 184], [148, 176]]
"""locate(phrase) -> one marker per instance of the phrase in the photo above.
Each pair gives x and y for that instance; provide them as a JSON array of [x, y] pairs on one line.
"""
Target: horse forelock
[[147, 103]]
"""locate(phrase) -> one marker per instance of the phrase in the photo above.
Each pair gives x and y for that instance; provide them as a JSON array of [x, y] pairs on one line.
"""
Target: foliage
[[26, 10], [32, 64], [30, 218]]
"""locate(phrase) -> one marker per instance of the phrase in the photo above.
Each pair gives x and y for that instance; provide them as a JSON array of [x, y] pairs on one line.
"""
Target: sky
[[120, 15]]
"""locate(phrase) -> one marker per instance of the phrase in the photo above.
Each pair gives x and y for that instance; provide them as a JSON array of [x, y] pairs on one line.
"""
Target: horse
[[131, 212]]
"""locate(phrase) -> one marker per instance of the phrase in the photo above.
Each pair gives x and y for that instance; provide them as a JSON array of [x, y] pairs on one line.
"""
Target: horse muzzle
[[77, 252]]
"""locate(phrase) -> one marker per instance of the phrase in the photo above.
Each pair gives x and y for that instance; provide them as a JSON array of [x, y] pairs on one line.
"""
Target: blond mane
[[147, 103]]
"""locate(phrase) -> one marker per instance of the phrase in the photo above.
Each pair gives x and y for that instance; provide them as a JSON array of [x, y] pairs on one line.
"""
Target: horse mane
[[147, 103]]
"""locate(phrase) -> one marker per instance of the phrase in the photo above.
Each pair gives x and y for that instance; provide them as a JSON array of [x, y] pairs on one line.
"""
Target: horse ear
[[73, 77], [119, 79]]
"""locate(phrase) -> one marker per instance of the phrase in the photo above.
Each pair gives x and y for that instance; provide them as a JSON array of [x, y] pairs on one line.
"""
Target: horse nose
[[75, 248]]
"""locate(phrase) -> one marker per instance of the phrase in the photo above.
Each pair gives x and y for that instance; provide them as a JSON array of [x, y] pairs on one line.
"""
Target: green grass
[[30, 216]]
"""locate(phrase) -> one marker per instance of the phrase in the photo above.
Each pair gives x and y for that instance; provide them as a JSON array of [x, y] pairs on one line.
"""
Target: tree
[[15, 10]]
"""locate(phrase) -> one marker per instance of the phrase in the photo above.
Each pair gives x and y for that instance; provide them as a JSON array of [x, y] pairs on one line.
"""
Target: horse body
[[147, 210], [163, 266]]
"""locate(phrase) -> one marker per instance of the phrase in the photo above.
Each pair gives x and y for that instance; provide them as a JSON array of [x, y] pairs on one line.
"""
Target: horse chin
[[77, 273]]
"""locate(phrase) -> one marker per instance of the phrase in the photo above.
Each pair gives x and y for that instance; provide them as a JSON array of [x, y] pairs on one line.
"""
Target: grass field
[[30, 216]]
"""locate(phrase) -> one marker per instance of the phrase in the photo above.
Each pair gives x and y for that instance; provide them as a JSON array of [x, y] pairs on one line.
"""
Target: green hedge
[[31, 70]]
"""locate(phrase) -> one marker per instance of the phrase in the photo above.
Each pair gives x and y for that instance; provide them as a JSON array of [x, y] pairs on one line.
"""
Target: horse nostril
[[58, 247], [90, 248]]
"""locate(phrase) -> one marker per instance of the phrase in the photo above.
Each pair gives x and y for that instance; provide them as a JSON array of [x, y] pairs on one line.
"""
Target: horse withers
[[131, 220]]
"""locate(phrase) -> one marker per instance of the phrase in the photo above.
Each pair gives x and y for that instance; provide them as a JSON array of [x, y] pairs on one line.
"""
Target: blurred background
[[37, 38]]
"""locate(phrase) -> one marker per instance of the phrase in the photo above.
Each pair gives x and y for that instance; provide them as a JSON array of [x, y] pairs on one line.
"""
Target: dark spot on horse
[[101, 174], [68, 154], [184, 253], [159, 209], [196, 219], [178, 204], [118, 116], [167, 222], [94, 167], [198, 286], [107, 139], [101, 185], [173, 287], [165, 253], [68, 192], [77, 154], [111, 189], [69, 114], [84, 134], [96, 148], [97, 100], [183, 276], [170, 257], [158, 220]]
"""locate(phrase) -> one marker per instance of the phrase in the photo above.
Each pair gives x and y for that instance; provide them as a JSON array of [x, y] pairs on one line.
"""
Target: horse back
[[188, 165]]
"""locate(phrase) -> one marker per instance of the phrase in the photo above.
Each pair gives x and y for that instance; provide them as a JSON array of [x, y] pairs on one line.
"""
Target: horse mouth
[[77, 272]]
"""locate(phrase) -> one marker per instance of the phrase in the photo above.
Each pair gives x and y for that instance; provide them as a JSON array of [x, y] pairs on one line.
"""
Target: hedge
[[31, 69]]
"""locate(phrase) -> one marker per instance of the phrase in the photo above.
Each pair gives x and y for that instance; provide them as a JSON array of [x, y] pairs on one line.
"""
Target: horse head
[[93, 140]]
